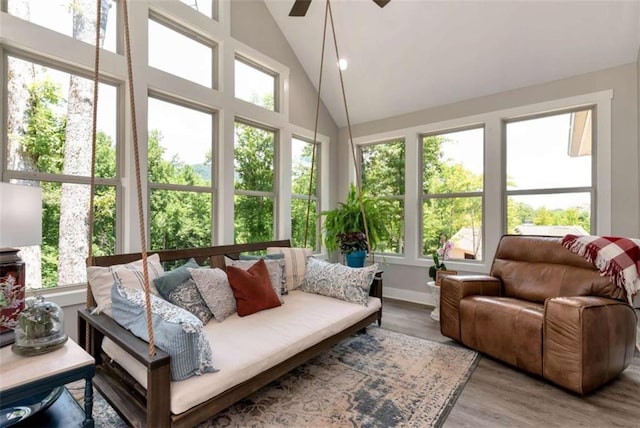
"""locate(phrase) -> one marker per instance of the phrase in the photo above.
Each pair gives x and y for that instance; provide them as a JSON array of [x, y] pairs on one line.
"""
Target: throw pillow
[[252, 288], [178, 287], [295, 261], [283, 269], [340, 281], [175, 330], [275, 268], [216, 291], [129, 275]]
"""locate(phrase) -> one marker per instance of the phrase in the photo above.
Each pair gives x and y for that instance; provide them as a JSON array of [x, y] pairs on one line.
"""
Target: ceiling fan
[[300, 7]]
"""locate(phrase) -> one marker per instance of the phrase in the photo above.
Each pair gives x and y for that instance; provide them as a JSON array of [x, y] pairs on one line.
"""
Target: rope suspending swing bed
[[150, 405]]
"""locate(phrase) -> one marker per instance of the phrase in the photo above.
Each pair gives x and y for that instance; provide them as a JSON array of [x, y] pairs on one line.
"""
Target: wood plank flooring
[[500, 396]]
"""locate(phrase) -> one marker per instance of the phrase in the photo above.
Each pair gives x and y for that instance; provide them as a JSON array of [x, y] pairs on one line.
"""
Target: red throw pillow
[[252, 288]]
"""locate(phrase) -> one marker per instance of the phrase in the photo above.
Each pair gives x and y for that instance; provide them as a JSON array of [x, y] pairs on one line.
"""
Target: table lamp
[[20, 226]]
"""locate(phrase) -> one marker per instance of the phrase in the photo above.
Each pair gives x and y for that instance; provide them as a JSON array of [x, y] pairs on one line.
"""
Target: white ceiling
[[416, 54]]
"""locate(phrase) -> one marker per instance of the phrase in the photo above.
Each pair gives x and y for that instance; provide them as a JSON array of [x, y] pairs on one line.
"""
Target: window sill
[[63, 296]]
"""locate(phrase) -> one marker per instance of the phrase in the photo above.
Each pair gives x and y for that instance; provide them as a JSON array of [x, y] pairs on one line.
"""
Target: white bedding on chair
[[246, 346]]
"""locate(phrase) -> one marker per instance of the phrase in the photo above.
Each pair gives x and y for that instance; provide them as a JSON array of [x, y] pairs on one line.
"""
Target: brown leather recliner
[[544, 310]]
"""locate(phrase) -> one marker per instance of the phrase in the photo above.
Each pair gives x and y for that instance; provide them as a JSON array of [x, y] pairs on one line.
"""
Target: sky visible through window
[[536, 159]]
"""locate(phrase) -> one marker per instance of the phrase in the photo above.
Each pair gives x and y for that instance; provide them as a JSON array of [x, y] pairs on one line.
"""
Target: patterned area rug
[[377, 379]]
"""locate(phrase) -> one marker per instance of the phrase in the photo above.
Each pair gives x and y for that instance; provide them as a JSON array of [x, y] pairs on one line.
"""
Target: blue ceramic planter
[[356, 259]]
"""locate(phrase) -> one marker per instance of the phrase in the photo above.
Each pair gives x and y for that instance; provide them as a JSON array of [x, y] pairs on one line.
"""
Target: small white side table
[[22, 377], [435, 314]]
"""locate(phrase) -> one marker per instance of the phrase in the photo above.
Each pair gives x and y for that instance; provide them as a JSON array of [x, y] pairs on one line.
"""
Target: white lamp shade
[[20, 215]]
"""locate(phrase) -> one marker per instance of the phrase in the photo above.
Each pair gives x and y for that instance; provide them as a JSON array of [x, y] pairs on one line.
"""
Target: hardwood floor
[[500, 396]]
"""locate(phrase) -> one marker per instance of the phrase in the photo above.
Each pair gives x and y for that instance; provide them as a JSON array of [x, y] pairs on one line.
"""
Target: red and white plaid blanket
[[614, 256]]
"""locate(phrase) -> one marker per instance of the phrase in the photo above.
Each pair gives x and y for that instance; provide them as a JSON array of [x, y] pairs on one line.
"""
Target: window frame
[[239, 57], [317, 197], [360, 154], [274, 194], [555, 190], [193, 35], [211, 190], [8, 175], [453, 195]]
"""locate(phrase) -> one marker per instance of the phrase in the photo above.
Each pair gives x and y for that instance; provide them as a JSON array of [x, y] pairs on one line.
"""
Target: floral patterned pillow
[[339, 281]]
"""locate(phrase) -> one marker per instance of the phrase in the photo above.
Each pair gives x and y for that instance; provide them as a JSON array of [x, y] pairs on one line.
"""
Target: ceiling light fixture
[[343, 64]]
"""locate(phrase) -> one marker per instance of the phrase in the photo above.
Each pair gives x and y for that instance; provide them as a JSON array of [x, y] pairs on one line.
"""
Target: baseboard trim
[[423, 298]]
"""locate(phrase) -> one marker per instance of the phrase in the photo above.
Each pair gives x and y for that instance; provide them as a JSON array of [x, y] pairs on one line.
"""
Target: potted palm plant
[[344, 226]]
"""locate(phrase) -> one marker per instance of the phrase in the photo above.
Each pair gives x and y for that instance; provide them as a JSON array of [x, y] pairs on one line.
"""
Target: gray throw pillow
[[277, 256], [216, 291]]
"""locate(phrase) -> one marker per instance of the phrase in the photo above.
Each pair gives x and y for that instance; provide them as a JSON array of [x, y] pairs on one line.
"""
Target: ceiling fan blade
[[300, 7], [381, 3]]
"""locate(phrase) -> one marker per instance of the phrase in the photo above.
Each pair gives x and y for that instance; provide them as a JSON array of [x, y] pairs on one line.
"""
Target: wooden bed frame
[[151, 406]]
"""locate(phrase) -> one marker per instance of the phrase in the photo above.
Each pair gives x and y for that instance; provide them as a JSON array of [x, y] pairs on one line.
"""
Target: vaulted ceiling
[[415, 54]]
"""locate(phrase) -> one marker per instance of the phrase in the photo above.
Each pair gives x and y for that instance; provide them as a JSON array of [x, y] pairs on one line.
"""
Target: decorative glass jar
[[40, 328]]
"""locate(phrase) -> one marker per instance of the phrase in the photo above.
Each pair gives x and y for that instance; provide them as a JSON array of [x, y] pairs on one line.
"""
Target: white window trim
[[294, 131]]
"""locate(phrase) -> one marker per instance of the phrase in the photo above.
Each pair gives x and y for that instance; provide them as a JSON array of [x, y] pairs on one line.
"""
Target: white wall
[[407, 280]]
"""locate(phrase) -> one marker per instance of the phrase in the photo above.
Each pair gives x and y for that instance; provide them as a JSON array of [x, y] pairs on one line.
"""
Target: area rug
[[376, 379]]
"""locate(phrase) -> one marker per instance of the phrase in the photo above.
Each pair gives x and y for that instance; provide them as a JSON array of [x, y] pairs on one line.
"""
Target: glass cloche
[[40, 328]]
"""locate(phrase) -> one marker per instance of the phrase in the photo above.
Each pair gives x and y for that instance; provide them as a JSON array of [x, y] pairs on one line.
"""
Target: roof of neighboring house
[[532, 229], [469, 241]]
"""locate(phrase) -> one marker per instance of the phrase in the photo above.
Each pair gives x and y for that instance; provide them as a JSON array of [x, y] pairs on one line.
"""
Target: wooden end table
[[23, 377]]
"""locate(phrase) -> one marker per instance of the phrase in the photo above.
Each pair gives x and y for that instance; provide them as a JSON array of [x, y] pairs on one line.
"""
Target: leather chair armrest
[[456, 287], [587, 341]]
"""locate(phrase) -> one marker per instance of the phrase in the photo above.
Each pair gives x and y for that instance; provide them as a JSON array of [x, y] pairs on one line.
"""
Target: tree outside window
[[452, 187], [254, 173], [383, 176], [301, 155]]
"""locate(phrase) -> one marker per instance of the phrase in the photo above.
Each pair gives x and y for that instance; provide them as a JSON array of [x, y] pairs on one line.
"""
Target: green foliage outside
[[254, 171], [383, 175], [300, 176], [178, 219], [446, 215]]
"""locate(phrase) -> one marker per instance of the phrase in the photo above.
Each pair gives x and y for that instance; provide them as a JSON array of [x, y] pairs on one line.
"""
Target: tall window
[[452, 192], [180, 169], [48, 145], [382, 166], [254, 160], [187, 57], [301, 199], [549, 180], [255, 84]]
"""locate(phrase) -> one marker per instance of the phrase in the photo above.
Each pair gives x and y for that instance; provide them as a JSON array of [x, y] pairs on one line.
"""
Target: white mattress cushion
[[246, 346]]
